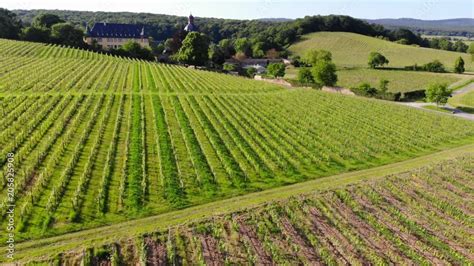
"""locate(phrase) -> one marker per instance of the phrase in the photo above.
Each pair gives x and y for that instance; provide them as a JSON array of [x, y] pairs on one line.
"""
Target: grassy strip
[[51, 246], [461, 85], [436, 108]]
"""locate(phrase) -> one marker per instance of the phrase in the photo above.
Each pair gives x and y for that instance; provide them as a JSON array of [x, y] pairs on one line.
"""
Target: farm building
[[113, 35]]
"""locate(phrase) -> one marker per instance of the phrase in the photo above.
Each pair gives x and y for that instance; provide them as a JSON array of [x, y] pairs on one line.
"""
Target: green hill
[[99, 139], [352, 50]]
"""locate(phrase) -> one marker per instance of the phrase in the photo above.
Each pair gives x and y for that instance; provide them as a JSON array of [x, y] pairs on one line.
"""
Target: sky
[[251, 9]]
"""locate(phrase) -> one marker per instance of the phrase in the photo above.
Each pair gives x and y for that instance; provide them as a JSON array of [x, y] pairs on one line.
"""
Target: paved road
[[454, 111], [469, 87]]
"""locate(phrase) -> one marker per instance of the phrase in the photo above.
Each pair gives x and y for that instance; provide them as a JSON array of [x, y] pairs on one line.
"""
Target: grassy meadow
[[352, 50], [464, 99], [400, 80]]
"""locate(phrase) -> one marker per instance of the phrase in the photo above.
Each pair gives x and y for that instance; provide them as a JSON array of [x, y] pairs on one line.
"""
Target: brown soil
[[263, 258], [156, 252], [130, 253], [210, 250], [306, 249], [410, 240], [448, 196], [425, 224], [235, 252], [382, 247], [340, 246]]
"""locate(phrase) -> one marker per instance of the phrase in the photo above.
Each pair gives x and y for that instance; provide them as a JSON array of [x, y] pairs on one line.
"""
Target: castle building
[[191, 26], [113, 35]]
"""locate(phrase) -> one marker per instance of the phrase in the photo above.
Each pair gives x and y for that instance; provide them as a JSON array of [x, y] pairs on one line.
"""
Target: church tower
[[190, 27]]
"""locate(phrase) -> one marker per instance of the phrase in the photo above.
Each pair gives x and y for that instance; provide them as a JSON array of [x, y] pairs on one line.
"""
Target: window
[[99, 39]]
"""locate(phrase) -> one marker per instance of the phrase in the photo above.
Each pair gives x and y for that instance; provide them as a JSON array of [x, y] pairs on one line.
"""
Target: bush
[[414, 95], [296, 61], [324, 73], [435, 66], [276, 69], [305, 76], [250, 72], [229, 67], [383, 85], [364, 89], [133, 49]]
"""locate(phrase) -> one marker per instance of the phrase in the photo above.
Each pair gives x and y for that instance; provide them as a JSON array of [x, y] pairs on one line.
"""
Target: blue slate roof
[[116, 30]]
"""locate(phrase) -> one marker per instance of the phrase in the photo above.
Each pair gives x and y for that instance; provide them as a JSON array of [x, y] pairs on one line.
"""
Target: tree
[[324, 73], [34, 34], [383, 85], [313, 56], [305, 76], [434, 66], [276, 69], [406, 35], [377, 59], [460, 46], [133, 49], [67, 34], [10, 26], [438, 93], [227, 47], [216, 54], [46, 20], [195, 49], [243, 45], [459, 65], [445, 44], [257, 50]]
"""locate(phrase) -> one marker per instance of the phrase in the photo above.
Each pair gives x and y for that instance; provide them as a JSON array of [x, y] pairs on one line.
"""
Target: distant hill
[[454, 27], [352, 50]]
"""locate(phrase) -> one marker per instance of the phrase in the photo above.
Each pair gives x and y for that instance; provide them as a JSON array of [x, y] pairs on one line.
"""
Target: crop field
[[100, 139], [423, 216], [352, 50], [399, 81]]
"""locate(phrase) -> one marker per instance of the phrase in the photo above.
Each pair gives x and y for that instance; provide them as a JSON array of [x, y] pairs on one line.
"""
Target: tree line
[[226, 37]]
